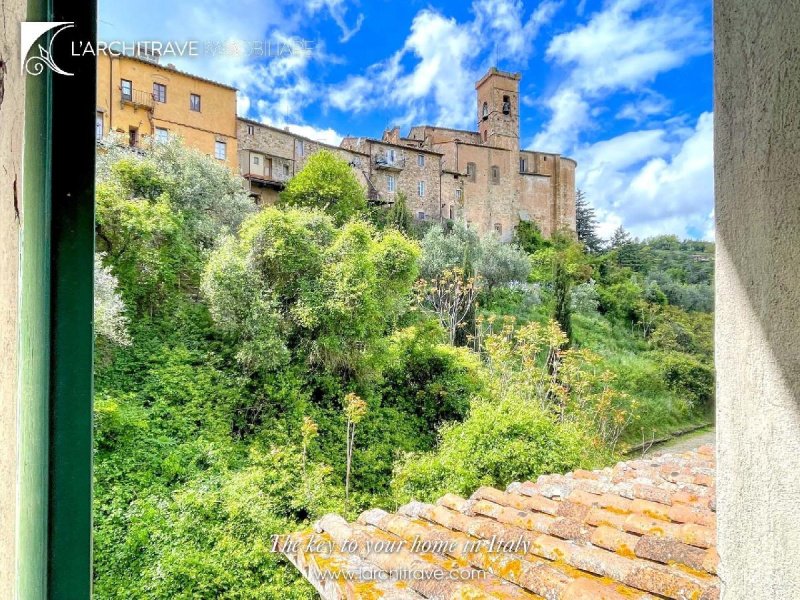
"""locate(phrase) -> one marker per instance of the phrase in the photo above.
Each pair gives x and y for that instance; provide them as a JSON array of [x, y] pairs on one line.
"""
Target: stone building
[[270, 156], [486, 179], [480, 177]]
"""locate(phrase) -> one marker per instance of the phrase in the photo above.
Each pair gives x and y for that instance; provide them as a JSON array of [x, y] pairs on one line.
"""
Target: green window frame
[[54, 551]]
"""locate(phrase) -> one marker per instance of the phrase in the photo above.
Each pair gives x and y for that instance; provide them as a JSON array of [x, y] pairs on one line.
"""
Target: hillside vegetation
[[257, 368]]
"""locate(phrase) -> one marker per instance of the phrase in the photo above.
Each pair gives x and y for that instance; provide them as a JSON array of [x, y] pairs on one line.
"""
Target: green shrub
[[689, 376], [498, 443]]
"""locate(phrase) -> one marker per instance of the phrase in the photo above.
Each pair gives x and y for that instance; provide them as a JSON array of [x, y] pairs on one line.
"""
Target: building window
[[452, 212], [391, 183], [391, 156], [421, 160], [159, 92], [299, 147], [162, 135], [459, 194], [421, 188], [485, 135], [421, 215], [250, 130], [471, 171], [495, 174], [220, 150], [498, 229], [126, 86], [194, 102], [133, 137], [485, 111], [506, 105], [523, 165], [256, 160], [286, 170], [98, 126]]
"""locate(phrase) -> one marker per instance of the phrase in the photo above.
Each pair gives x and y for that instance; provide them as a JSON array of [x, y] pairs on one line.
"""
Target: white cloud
[[432, 76], [643, 108], [338, 11], [652, 181], [326, 136], [569, 117], [501, 23], [624, 47]]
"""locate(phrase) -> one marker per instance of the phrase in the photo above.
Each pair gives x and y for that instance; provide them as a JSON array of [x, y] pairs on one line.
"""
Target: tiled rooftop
[[642, 529]]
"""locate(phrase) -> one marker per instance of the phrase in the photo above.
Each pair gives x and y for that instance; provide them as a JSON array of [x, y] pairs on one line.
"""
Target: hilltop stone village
[[480, 177]]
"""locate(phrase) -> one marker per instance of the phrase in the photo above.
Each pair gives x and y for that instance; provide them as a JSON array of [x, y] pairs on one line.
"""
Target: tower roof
[[497, 72]]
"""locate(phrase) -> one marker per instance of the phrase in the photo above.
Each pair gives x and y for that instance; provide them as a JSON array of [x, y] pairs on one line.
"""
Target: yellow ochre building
[[141, 98]]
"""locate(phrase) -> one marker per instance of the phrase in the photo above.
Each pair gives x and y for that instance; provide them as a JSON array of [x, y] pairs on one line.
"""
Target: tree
[[110, 320], [627, 250], [208, 196], [619, 238], [292, 285], [501, 263], [493, 262], [326, 182], [529, 237], [562, 311], [354, 410], [451, 296], [309, 430], [443, 250], [586, 223], [399, 216]]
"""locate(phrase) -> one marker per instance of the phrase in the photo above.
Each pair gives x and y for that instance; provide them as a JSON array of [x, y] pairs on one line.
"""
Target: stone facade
[[502, 184], [269, 157], [480, 177]]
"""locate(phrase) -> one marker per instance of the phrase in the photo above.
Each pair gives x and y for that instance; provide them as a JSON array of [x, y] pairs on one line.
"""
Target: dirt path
[[690, 441]]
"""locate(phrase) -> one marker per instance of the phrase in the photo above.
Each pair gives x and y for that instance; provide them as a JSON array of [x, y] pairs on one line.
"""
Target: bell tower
[[498, 109]]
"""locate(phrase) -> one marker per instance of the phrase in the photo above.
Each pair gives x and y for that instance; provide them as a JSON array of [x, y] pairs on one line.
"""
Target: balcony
[[273, 180], [389, 162], [137, 98]]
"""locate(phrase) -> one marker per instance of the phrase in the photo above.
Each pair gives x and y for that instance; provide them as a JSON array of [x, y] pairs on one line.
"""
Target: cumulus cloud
[[641, 109], [624, 47], [432, 76], [652, 181], [326, 136]]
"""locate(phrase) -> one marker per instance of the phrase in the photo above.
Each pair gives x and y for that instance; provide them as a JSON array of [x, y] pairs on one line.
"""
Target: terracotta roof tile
[[642, 529]]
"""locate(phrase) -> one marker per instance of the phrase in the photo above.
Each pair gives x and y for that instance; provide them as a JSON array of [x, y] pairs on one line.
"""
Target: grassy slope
[[625, 352]]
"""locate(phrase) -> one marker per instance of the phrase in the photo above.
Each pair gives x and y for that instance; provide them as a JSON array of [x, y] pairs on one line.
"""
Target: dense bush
[[326, 183], [689, 377], [500, 442], [294, 284]]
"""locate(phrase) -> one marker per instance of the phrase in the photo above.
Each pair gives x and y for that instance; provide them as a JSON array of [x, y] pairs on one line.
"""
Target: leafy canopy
[[293, 284], [326, 182]]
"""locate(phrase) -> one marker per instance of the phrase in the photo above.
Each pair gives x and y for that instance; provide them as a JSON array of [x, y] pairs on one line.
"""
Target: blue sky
[[622, 86]]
